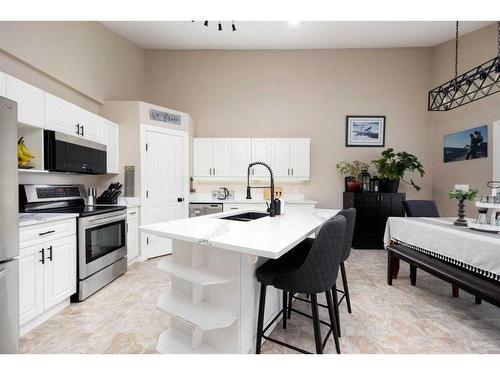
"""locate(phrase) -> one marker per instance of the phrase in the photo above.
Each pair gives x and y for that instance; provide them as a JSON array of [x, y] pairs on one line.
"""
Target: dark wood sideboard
[[372, 211]]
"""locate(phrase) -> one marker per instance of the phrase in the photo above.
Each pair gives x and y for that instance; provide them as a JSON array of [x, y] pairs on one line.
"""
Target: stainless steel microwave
[[66, 153]]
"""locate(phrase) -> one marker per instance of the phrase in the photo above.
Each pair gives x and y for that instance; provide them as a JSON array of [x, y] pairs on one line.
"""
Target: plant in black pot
[[392, 167]]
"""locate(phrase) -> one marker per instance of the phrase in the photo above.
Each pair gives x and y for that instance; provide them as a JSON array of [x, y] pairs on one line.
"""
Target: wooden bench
[[482, 287]]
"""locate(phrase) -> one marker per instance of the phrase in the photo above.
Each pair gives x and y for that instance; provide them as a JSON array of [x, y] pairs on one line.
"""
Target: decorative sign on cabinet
[[229, 157]]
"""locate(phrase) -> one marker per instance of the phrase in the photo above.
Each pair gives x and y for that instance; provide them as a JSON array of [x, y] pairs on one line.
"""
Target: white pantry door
[[164, 185]]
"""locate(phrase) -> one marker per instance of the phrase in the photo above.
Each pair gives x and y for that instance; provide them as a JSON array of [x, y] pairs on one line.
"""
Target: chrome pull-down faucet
[[272, 205]]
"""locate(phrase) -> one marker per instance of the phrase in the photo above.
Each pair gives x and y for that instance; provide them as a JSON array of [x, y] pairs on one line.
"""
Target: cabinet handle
[[77, 129], [45, 233], [214, 171], [132, 213], [292, 171], [83, 130], [288, 171], [210, 171], [50, 253], [43, 256]]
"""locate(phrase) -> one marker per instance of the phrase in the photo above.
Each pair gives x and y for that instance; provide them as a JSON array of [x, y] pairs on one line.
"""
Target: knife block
[[106, 200]]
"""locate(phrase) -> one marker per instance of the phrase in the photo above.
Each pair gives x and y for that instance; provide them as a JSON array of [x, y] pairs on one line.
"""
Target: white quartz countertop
[[269, 237], [248, 201], [26, 219]]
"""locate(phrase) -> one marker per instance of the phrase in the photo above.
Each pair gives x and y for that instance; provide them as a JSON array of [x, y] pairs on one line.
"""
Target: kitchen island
[[214, 297]]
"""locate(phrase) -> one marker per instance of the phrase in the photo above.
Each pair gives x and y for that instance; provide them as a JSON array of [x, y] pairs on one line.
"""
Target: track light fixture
[[219, 25], [477, 83]]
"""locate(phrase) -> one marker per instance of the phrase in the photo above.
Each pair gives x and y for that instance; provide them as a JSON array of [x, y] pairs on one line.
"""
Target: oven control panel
[[57, 192]]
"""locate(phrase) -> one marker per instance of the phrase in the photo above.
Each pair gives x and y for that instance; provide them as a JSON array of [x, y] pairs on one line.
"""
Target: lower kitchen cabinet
[[372, 211], [132, 233], [47, 274]]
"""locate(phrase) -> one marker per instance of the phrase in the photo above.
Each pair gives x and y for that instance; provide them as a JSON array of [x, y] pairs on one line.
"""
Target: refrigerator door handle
[[4, 272]]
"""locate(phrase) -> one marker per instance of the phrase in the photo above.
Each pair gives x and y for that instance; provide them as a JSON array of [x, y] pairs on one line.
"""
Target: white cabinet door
[[221, 157], [202, 161], [93, 128], [30, 101], [112, 146], [300, 157], [59, 270], [30, 285], [3, 83], [241, 151], [132, 239], [61, 116], [280, 157], [261, 151]]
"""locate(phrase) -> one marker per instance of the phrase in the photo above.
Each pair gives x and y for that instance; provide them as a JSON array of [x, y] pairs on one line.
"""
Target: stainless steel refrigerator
[[9, 229]]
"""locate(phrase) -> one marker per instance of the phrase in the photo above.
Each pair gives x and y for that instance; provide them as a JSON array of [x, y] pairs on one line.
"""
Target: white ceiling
[[285, 35]]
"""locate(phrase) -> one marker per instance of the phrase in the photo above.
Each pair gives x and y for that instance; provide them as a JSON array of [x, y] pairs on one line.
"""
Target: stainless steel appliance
[[9, 231], [66, 153], [200, 209], [102, 247]]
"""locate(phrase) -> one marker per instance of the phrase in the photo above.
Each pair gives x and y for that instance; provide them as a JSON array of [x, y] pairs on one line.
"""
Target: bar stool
[[315, 273], [350, 216]]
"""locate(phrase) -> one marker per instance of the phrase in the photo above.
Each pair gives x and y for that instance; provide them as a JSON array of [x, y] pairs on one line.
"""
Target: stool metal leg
[[333, 321], [285, 304], [317, 329], [346, 287], [336, 308], [290, 301], [260, 320]]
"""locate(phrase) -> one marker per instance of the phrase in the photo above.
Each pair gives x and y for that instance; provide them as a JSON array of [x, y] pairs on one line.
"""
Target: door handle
[[50, 253], [43, 256], [4, 272], [48, 232]]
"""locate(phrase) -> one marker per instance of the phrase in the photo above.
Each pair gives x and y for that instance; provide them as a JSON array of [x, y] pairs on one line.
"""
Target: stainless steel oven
[[102, 251], [102, 241]]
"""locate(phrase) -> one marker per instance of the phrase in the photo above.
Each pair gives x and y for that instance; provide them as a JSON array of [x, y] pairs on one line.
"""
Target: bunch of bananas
[[23, 154]]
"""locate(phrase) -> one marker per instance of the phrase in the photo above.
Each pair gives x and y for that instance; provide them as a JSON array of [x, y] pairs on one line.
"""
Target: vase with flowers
[[351, 172]]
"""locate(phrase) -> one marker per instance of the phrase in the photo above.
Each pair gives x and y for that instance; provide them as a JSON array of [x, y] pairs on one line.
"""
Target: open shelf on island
[[203, 315], [201, 275], [174, 341]]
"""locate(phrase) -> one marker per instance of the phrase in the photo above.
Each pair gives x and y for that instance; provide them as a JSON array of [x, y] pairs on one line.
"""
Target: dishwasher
[[200, 209]]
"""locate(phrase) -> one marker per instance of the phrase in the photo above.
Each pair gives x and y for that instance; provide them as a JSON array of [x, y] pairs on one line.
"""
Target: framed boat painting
[[365, 131]]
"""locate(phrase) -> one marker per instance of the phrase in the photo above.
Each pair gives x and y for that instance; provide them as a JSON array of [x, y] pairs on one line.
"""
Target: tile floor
[[122, 318]]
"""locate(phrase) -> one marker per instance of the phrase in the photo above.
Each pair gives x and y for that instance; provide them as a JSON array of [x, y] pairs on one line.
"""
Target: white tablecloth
[[476, 251]]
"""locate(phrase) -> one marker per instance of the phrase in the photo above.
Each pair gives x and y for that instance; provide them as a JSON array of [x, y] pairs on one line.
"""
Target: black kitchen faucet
[[272, 206]]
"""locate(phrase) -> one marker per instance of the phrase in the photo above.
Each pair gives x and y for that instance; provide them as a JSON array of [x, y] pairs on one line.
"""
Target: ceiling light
[[477, 83]]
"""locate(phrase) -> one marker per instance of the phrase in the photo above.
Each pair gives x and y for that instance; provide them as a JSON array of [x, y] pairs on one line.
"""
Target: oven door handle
[[98, 222]]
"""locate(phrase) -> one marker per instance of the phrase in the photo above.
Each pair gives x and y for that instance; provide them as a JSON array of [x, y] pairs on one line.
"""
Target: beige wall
[[85, 56], [474, 49], [301, 94]]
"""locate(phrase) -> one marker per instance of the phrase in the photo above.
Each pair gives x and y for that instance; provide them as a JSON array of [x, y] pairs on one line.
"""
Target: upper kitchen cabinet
[[229, 157], [30, 101], [290, 157], [241, 151], [3, 84], [261, 151], [300, 157], [112, 148], [65, 117], [212, 157]]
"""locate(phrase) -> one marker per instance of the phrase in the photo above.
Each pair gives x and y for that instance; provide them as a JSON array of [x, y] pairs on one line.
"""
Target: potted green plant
[[461, 196], [351, 171], [392, 167]]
